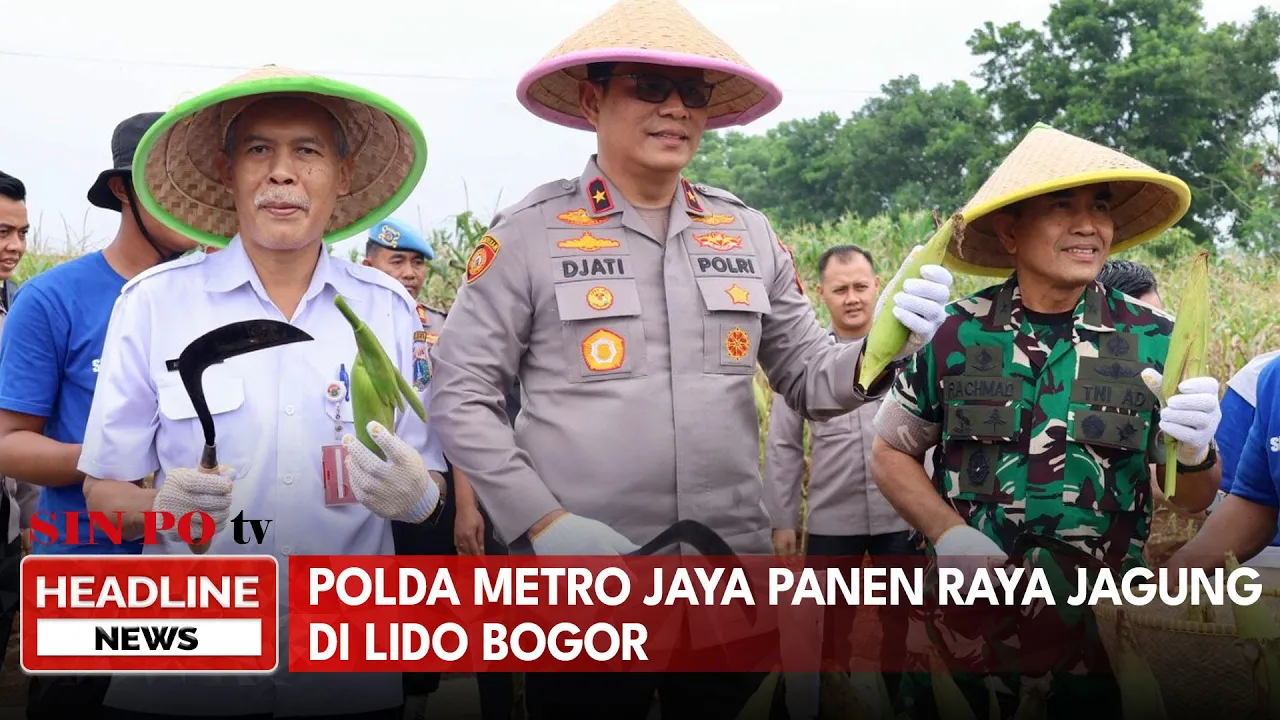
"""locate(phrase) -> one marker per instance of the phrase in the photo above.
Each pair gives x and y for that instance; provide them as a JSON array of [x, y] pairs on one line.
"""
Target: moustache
[[281, 195]]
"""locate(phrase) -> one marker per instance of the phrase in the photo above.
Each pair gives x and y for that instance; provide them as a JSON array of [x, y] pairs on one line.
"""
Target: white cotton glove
[[576, 535], [966, 549], [921, 305], [1191, 417], [188, 490], [398, 488]]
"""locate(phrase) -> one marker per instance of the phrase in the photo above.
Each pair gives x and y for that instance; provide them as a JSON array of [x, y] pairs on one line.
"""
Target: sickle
[[706, 541]]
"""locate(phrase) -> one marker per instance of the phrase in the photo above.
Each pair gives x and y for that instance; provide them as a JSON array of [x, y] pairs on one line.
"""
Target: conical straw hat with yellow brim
[[180, 185], [1145, 202], [657, 32]]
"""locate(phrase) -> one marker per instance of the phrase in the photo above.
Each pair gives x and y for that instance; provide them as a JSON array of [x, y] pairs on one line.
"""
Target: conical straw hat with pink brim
[[180, 186], [657, 32]]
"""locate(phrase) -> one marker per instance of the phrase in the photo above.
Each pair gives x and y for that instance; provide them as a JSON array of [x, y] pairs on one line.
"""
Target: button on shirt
[[272, 418], [843, 497]]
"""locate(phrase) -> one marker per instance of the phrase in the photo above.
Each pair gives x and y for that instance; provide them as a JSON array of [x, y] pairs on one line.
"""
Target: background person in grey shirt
[[847, 515]]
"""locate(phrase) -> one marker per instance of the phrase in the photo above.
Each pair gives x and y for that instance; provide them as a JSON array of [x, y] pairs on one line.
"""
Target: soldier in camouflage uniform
[[1036, 395]]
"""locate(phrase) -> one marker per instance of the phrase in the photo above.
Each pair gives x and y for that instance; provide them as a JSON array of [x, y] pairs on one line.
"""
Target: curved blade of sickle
[[703, 539], [226, 342]]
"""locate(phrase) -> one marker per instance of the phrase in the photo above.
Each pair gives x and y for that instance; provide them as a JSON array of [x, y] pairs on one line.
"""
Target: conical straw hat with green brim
[[1145, 202], [180, 185], [657, 32]]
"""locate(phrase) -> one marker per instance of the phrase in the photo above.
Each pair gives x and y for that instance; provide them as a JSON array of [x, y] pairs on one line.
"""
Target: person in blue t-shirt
[[52, 345], [1244, 521], [1238, 413], [49, 355]]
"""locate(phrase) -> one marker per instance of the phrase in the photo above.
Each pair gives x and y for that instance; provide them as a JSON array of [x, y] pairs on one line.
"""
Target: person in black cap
[[49, 358], [142, 241]]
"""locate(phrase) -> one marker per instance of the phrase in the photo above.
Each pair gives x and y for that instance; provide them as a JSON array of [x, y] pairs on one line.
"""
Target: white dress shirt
[[272, 418]]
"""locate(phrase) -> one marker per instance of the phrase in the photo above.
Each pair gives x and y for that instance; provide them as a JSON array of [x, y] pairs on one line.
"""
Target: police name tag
[[337, 484]]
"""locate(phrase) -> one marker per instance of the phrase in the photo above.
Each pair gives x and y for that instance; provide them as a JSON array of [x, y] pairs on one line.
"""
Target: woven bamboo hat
[[1145, 202], [658, 32], [180, 186]]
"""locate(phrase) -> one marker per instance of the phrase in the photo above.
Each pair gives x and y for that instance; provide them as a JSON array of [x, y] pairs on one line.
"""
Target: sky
[[72, 70]]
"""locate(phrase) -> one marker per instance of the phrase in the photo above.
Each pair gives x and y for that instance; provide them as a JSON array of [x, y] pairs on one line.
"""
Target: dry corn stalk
[[888, 334], [1188, 351]]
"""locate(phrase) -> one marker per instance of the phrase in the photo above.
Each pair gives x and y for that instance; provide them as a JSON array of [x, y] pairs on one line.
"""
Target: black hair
[[1128, 277], [371, 247], [599, 72], [12, 188], [842, 252]]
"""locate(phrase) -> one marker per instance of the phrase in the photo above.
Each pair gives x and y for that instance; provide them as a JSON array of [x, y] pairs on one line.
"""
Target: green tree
[[911, 148], [1144, 76], [1257, 228]]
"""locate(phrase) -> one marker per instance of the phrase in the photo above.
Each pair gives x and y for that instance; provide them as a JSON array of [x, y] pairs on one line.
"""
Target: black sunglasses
[[653, 88]]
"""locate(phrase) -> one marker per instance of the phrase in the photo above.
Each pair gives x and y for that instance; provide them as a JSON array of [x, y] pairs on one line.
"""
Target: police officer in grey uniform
[[634, 307]]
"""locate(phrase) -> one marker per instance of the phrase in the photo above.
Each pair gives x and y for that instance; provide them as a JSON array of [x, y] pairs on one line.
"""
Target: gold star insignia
[[739, 294], [599, 196]]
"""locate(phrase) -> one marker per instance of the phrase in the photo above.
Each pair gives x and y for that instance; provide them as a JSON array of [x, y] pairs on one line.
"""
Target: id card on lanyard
[[333, 458]]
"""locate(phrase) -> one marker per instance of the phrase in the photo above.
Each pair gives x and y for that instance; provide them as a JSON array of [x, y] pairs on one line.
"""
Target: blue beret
[[395, 235]]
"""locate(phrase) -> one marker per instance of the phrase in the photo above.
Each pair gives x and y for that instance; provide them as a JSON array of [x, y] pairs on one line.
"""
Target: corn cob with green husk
[[948, 697], [888, 334], [378, 389], [1260, 634], [1201, 613], [1188, 351], [1139, 690]]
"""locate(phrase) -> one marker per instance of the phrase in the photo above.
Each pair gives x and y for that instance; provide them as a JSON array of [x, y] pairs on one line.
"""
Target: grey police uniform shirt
[[431, 328], [635, 355], [843, 498]]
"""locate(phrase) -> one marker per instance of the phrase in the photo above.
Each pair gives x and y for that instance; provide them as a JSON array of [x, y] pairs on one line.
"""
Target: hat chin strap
[[142, 228]]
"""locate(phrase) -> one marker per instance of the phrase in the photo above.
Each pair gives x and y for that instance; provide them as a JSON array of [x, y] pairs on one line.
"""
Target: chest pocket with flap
[[235, 434], [732, 326], [603, 331]]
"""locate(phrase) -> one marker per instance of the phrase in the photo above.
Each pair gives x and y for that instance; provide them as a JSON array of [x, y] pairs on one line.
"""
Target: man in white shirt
[[296, 171]]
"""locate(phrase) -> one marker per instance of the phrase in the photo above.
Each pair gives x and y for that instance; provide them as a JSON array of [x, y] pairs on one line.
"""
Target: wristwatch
[[1209, 460]]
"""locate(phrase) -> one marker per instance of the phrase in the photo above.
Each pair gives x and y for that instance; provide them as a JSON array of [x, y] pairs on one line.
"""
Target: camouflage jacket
[[1041, 429]]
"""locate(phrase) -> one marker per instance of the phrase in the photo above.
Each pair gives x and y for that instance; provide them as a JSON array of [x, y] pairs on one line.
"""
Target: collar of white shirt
[[231, 268]]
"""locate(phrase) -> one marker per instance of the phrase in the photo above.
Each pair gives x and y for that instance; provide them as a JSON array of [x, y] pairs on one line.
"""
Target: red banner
[[585, 614], [149, 614]]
